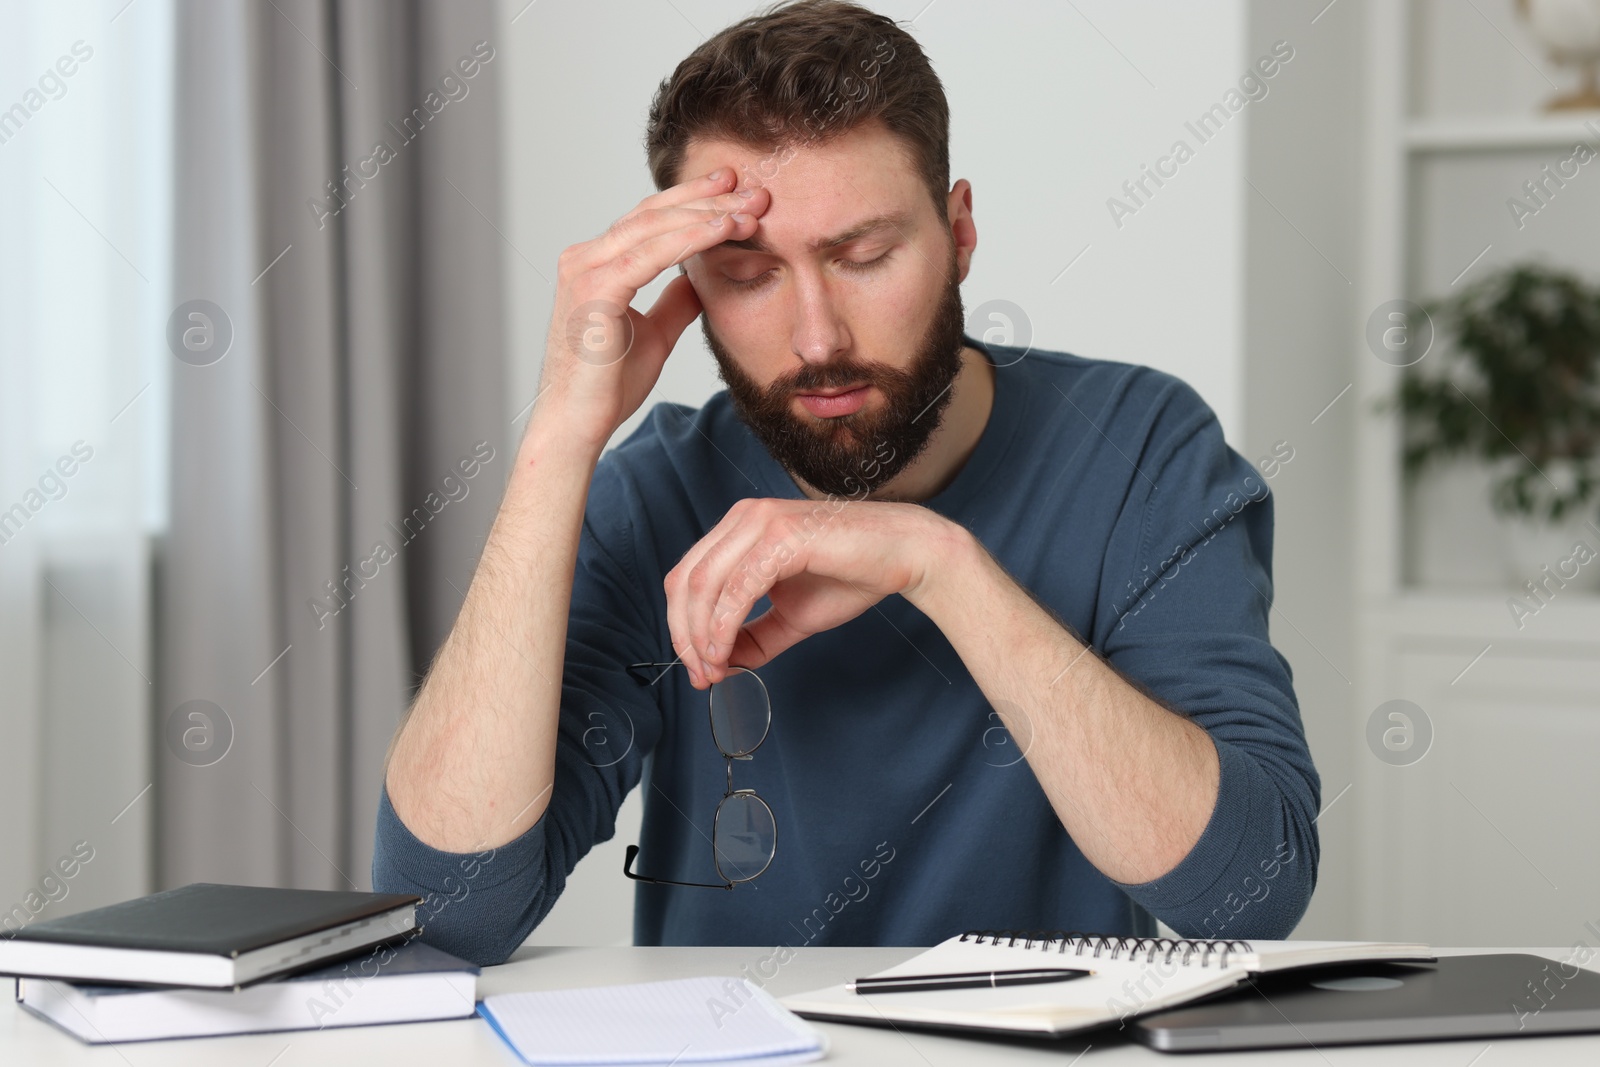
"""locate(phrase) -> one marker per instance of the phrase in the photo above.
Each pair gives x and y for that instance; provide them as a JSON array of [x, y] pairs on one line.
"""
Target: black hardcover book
[[208, 935]]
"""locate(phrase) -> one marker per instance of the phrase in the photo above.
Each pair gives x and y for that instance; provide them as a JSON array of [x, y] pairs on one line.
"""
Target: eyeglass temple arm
[[641, 673], [627, 869]]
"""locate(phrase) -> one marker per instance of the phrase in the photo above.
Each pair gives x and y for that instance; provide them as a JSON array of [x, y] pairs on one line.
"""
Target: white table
[[26, 1040]]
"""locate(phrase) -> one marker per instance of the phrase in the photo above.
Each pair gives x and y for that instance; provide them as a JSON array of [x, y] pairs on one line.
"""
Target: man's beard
[[850, 455]]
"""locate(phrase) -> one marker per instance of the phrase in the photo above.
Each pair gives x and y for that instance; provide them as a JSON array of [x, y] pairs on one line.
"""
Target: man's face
[[838, 327]]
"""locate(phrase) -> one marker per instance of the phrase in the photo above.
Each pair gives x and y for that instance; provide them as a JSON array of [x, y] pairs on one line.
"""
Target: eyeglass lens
[[740, 713], [744, 838]]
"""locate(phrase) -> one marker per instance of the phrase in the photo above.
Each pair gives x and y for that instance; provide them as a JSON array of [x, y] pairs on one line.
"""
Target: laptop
[[1455, 997]]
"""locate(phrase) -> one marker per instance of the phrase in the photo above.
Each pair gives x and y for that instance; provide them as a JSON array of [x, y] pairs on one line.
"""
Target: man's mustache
[[830, 376]]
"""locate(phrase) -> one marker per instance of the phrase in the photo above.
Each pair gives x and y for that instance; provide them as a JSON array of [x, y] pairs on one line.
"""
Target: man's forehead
[[877, 224], [869, 151], [825, 195]]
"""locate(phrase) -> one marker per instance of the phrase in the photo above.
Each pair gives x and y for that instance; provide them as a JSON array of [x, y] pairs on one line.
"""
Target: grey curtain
[[338, 433]]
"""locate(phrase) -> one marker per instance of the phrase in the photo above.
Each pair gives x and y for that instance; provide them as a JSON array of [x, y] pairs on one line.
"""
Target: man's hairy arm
[[1186, 805], [473, 763]]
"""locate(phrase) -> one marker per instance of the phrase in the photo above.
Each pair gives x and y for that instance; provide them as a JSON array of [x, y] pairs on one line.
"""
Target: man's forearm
[[472, 765], [1133, 783]]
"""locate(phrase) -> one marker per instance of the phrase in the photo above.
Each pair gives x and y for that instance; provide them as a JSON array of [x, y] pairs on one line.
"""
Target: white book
[[409, 983], [1130, 977]]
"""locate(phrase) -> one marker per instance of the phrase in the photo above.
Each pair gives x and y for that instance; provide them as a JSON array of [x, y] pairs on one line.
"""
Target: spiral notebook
[[1131, 976]]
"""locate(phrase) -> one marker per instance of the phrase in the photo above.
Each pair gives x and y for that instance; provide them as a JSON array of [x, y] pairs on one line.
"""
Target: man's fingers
[[752, 198], [704, 191], [638, 267], [694, 189], [684, 586], [723, 576], [678, 629], [716, 611], [633, 231], [760, 640], [737, 572]]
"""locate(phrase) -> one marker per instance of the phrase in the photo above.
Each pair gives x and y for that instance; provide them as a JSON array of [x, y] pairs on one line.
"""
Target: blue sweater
[[904, 813]]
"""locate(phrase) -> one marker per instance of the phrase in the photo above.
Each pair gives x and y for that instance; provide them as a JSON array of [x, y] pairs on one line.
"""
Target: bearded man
[[904, 633]]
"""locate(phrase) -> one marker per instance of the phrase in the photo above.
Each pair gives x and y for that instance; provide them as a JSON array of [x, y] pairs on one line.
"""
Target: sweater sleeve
[[1187, 621], [480, 906]]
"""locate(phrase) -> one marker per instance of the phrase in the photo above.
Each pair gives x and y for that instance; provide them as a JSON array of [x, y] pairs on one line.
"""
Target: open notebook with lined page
[[1132, 976]]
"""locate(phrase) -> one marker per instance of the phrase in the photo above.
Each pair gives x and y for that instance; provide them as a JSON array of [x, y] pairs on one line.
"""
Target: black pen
[[914, 983]]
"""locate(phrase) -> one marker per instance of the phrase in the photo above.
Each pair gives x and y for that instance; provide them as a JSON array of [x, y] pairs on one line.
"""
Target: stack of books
[[207, 959]]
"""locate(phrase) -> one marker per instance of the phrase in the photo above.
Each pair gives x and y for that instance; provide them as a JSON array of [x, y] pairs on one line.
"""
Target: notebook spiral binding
[[1192, 948]]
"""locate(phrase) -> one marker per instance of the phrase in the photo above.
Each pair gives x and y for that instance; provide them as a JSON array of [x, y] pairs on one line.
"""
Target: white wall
[[1053, 107], [1302, 254]]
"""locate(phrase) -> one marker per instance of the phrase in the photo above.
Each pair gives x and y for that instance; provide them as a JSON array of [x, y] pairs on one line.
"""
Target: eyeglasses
[[744, 835]]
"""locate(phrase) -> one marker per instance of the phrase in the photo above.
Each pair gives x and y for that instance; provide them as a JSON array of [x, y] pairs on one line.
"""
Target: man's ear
[[963, 229]]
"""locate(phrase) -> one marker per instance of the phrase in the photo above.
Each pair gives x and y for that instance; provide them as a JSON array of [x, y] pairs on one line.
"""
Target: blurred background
[[275, 276]]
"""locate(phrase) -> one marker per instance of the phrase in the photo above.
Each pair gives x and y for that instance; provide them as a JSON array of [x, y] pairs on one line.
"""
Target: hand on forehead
[[817, 190]]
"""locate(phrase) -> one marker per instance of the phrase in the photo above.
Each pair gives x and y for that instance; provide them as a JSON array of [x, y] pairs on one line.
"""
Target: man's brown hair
[[800, 74]]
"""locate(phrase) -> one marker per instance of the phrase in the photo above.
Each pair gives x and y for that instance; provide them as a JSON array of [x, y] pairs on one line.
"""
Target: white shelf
[[1502, 134], [1513, 710]]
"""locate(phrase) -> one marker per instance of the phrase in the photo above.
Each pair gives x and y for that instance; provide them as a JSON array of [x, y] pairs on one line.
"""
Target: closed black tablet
[[1482, 996]]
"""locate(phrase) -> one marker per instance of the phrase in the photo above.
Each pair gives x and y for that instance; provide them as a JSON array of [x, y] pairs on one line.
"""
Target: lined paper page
[[1118, 988], [687, 1020]]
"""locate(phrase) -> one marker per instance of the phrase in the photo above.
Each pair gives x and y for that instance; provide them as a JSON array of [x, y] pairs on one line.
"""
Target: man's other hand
[[819, 562]]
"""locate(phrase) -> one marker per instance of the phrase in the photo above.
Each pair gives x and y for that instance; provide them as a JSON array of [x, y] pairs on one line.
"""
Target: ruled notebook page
[[687, 1020], [1161, 981], [1119, 988]]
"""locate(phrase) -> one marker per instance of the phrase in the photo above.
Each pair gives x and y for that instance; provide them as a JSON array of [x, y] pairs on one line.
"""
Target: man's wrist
[[549, 480], [950, 555], [551, 438]]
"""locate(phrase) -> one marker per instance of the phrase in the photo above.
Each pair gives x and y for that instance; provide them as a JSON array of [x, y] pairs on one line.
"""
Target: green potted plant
[[1517, 387]]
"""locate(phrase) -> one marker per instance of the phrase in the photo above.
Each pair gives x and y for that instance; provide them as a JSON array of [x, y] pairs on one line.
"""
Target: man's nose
[[819, 331]]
